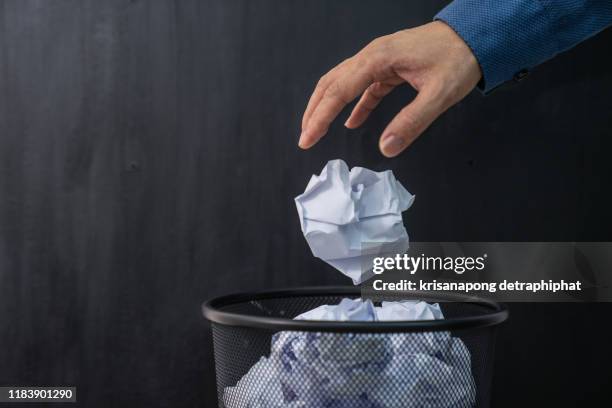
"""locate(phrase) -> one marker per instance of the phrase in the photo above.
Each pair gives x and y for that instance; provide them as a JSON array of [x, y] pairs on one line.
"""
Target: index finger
[[345, 85], [322, 85]]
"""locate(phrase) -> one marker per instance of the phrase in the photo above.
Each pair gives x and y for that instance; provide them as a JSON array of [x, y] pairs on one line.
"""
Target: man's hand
[[432, 58]]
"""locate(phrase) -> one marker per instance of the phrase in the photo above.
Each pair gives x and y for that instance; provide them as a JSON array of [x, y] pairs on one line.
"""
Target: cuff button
[[522, 74]]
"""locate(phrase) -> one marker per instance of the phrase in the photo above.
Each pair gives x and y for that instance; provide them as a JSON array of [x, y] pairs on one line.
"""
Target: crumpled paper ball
[[351, 217], [330, 369], [362, 370], [259, 388]]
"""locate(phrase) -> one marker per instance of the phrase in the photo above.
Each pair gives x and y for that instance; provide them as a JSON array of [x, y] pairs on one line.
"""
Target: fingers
[[410, 122], [315, 98], [369, 100], [333, 93], [322, 85]]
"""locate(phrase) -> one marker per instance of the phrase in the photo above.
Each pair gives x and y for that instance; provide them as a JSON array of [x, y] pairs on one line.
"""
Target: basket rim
[[211, 311]]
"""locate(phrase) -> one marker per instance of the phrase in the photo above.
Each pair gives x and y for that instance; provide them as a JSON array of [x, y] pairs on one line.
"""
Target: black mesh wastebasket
[[263, 358]]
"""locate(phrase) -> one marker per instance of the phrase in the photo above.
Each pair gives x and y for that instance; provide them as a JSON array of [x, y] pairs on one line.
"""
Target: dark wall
[[148, 161]]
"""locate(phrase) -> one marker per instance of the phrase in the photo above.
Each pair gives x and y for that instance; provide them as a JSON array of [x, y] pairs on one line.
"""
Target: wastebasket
[[428, 363]]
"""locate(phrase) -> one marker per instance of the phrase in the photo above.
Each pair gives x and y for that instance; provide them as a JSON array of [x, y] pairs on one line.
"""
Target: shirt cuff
[[507, 37]]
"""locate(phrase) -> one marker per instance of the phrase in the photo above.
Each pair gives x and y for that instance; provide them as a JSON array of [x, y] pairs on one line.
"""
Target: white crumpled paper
[[351, 217], [314, 370]]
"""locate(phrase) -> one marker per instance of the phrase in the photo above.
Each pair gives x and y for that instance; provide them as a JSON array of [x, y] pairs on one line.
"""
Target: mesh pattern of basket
[[265, 359]]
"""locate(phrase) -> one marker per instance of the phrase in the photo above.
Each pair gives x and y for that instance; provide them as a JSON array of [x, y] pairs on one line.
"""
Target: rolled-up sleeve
[[509, 38]]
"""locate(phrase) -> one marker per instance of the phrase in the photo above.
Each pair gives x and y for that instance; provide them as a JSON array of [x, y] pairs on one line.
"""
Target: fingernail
[[391, 145], [301, 140], [346, 124]]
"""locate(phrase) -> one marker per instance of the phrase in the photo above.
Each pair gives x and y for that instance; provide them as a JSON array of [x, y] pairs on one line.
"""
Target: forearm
[[511, 37]]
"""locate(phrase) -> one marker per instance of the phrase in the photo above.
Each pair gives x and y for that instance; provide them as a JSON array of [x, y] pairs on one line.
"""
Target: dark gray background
[[148, 161]]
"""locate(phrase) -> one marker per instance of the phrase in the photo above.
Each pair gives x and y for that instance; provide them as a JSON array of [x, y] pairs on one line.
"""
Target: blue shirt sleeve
[[509, 37]]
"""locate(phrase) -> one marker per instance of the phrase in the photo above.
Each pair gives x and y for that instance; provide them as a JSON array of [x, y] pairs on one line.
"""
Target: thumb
[[410, 122]]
